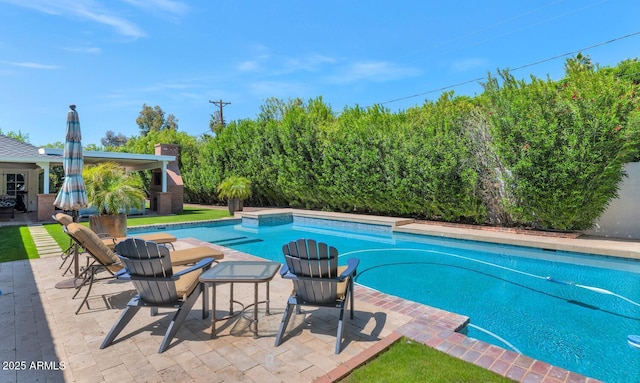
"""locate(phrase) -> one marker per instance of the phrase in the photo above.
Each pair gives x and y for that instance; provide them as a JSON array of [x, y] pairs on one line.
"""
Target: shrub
[[564, 144]]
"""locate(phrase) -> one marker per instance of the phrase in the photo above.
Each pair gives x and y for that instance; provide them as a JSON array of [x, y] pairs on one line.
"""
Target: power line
[[515, 69]]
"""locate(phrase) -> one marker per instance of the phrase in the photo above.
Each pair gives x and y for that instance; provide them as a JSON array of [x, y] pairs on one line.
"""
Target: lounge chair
[[149, 267], [317, 280], [67, 254], [101, 257], [110, 242]]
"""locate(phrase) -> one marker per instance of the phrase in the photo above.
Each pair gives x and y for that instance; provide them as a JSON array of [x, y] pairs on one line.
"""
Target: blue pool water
[[570, 310]]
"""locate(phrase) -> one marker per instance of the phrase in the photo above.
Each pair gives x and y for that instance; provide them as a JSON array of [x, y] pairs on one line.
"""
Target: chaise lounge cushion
[[90, 242], [194, 255], [159, 238], [6, 201], [63, 219]]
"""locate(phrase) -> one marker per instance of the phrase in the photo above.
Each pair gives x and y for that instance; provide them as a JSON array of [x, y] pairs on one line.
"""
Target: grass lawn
[[410, 362], [188, 214], [16, 242]]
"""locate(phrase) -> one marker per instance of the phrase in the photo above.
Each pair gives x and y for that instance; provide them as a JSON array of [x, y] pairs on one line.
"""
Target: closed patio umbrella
[[72, 194]]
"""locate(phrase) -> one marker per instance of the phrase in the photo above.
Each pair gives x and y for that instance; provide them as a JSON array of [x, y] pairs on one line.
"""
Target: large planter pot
[[235, 204], [114, 225]]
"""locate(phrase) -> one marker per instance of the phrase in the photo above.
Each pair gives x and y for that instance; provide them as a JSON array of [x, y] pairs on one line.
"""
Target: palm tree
[[578, 63], [111, 190]]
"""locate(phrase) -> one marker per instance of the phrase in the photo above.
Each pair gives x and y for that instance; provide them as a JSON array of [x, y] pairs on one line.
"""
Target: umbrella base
[[71, 283]]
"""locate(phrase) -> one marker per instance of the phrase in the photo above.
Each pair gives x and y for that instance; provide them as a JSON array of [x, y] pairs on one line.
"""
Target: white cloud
[[159, 87], [276, 65], [168, 9], [122, 26], [377, 71], [309, 63], [91, 50], [84, 10], [174, 7], [31, 65], [468, 64], [249, 66], [278, 89]]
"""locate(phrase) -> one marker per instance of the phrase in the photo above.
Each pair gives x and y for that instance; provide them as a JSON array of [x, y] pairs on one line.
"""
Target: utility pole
[[220, 105]]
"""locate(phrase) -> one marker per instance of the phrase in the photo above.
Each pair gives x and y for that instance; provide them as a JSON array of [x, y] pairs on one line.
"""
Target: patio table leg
[[213, 310], [231, 299], [267, 312], [205, 300], [255, 310]]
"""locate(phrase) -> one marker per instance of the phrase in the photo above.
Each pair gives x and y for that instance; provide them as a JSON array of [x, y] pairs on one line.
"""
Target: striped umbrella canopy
[[72, 195]]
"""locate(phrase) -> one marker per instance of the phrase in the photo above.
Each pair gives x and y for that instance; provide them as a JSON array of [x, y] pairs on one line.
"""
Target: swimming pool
[[571, 310]]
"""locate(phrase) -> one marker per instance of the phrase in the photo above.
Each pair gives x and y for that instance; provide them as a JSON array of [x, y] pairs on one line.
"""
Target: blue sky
[[109, 57]]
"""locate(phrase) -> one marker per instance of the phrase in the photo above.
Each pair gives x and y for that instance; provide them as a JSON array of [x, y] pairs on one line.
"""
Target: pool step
[[218, 241], [235, 241]]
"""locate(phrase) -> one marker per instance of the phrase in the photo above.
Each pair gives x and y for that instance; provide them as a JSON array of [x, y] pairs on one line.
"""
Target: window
[[16, 182]]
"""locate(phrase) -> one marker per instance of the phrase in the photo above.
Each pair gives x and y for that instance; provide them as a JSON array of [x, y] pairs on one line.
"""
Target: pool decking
[[37, 324]]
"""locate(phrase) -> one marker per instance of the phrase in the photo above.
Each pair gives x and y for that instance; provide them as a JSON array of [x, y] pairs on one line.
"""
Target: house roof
[[130, 161], [13, 151]]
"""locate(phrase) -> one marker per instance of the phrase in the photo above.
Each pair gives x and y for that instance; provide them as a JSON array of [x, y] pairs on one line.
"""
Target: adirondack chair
[[102, 258], [149, 267], [317, 280]]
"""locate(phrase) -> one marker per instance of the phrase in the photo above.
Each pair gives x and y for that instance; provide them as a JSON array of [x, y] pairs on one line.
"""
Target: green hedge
[[543, 153], [565, 144]]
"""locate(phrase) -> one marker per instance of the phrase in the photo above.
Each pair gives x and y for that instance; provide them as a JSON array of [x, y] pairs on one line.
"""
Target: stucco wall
[[31, 201], [622, 217]]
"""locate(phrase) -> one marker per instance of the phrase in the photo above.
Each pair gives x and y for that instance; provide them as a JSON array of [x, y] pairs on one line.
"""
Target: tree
[[152, 119], [56, 145], [111, 139], [19, 136], [215, 124], [93, 148], [628, 70], [578, 62]]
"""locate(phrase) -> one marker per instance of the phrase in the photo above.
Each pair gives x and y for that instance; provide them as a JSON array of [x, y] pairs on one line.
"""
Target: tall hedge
[[365, 160], [540, 152], [564, 143]]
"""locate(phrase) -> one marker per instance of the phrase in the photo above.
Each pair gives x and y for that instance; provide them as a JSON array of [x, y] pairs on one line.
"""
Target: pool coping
[[609, 247], [586, 245]]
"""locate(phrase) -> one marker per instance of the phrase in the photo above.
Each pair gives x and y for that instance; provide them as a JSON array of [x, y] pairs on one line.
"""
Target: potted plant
[[235, 190], [112, 193]]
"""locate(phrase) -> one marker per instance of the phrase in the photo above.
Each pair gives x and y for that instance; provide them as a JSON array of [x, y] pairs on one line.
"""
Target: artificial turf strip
[[16, 243], [188, 214], [412, 362], [55, 231]]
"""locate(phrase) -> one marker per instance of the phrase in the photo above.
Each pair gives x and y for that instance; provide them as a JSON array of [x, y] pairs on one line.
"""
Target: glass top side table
[[255, 272]]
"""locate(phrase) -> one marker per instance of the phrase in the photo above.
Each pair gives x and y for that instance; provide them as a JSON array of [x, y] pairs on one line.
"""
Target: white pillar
[[45, 186], [164, 176]]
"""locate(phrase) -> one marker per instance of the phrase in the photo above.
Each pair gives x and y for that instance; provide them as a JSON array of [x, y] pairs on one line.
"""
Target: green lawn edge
[[408, 361], [16, 242]]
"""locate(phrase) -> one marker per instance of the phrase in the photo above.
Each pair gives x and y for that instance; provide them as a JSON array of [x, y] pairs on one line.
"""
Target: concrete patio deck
[[37, 324]]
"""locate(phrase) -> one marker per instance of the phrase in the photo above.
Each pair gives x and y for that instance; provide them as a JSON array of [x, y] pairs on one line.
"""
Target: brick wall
[[174, 180]]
